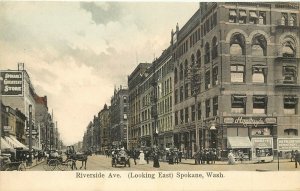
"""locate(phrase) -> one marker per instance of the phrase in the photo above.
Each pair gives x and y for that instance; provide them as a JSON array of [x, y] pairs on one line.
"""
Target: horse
[[79, 157]]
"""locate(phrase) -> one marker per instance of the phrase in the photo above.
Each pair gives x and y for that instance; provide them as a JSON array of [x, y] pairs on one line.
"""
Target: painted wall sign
[[12, 83], [288, 144], [255, 121]]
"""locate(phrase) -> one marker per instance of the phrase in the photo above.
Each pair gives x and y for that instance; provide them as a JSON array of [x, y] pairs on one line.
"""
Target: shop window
[[198, 58], [259, 104], [207, 108], [176, 117], [237, 44], [293, 19], [199, 111], [215, 76], [288, 49], [289, 74], [181, 116], [181, 72], [214, 48], [193, 112], [186, 91], [215, 106], [176, 96], [181, 94], [207, 53], [186, 113], [262, 18], [175, 75], [253, 17], [186, 68], [232, 16], [237, 73], [238, 104], [259, 45], [284, 19], [291, 132], [259, 74], [207, 80], [243, 17], [290, 105]]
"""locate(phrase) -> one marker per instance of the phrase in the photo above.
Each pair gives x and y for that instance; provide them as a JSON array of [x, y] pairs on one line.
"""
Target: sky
[[77, 52]]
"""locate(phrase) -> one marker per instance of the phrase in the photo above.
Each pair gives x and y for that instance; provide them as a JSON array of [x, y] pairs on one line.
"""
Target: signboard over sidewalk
[[12, 83], [288, 144]]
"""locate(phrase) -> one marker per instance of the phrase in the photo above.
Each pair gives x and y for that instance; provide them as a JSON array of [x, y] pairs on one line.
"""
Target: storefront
[[262, 150], [240, 145]]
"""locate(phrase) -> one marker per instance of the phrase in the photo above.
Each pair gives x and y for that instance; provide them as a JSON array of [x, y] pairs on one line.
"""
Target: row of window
[[288, 19], [240, 16], [238, 106]]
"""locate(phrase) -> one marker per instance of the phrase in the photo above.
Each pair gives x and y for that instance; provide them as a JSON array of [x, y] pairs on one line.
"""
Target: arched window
[[175, 75], [181, 72], [214, 48], [288, 49], [237, 44], [192, 60], [186, 67], [198, 58], [207, 53], [259, 45]]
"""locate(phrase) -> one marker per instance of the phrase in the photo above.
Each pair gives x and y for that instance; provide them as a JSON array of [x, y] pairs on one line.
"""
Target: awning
[[15, 143], [239, 142], [232, 13], [253, 15], [5, 145], [243, 14]]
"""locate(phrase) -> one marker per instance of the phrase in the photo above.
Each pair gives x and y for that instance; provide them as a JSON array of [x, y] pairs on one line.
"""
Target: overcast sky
[[75, 53]]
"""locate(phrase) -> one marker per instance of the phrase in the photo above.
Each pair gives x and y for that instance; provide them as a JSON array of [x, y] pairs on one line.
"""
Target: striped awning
[[15, 143], [5, 145]]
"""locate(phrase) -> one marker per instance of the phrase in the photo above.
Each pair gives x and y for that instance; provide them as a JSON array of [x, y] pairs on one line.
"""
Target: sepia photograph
[[156, 95]]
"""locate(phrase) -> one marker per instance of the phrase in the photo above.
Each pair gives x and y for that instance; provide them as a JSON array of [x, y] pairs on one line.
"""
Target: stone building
[[119, 110]]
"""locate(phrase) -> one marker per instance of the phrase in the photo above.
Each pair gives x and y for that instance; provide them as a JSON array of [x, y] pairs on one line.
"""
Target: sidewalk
[[35, 162]]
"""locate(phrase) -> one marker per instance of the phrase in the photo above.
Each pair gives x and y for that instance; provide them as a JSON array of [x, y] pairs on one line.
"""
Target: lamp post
[[30, 134]]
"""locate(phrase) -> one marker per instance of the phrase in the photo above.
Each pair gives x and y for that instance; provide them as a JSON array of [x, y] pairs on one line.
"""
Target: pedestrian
[[147, 156], [231, 158], [297, 158], [180, 156], [292, 155], [142, 158], [156, 159]]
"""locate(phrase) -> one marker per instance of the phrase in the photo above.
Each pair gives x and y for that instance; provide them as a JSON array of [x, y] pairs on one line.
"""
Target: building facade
[[119, 110]]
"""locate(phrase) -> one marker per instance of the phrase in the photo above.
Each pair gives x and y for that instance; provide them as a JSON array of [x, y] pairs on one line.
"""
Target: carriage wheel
[[52, 164], [63, 166], [22, 167]]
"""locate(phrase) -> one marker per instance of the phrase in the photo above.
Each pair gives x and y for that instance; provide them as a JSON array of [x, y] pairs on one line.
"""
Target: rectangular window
[[253, 17], [186, 113], [232, 16], [207, 80], [293, 19], [199, 111], [176, 96], [259, 104], [125, 99], [176, 117], [259, 74], [262, 18], [243, 16], [207, 108], [289, 74], [181, 116], [290, 105], [284, 19], [215, 76], [215, 106], [237, 73], [181, 94], [193, 112], [186, 91], [238, 104]]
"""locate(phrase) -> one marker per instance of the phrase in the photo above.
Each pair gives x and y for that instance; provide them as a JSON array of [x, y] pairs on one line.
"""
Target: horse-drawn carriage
[[120, 158]]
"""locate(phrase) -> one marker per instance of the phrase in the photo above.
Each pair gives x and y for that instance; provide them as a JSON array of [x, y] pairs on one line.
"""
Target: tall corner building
[[242, 61]]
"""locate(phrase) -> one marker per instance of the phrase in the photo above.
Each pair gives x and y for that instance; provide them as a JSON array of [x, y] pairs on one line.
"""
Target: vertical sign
[[12, 83]]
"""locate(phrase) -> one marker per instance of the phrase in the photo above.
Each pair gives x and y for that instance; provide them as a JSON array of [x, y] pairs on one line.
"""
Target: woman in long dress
[[231, 159], [142, 158]]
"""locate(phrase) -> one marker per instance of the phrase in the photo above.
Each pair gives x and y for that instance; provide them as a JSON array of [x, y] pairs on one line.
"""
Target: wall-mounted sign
[[12, 83], [254, 121], [262, 142], [288, 144], [7, 128]]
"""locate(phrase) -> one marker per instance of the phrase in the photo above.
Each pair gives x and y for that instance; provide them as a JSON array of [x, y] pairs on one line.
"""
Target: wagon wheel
[[63, 166], [52, 164], [21, 167]]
